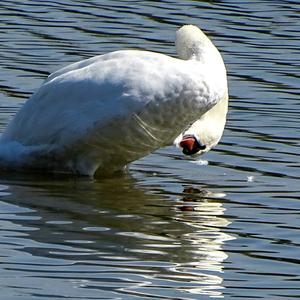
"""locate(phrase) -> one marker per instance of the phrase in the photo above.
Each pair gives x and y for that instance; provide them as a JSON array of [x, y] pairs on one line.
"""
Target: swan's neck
[[192, 44], [209, 128]]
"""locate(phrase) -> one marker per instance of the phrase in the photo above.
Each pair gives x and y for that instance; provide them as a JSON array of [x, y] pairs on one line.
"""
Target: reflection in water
[[85, 236], [205, 241]]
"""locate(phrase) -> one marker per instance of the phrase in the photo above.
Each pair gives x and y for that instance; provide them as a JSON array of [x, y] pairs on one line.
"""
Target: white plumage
[[102, 113]]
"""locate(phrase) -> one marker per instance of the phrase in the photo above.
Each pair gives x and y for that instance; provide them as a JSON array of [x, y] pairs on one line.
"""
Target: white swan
[[104, 112]]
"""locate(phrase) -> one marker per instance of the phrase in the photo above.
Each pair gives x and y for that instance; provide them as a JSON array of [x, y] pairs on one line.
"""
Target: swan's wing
[[78, 65], [163, 92], [116, 55]]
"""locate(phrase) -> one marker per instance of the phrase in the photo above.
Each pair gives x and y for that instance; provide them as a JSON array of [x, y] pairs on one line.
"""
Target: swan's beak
[[190, 144]]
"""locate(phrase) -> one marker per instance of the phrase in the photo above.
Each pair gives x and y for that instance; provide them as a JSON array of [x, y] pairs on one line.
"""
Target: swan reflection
[[114, 236], [203, 212]]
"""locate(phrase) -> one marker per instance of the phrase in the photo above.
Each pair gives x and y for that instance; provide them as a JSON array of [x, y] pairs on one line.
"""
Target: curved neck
[[209, 128]]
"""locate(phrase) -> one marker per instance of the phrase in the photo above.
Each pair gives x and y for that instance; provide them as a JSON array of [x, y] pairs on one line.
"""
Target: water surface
[[226, 226]]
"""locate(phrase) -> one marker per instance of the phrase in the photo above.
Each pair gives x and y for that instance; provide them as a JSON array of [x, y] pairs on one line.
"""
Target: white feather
[[107, 111]]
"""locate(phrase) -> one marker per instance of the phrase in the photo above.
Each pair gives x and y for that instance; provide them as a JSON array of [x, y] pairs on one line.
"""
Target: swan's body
[[107, 111]]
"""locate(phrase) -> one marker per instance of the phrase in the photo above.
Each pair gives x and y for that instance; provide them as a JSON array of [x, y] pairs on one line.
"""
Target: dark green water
[[226, 226]]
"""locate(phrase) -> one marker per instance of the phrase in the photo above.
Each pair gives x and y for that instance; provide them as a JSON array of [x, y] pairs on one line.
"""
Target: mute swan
[[102, 113]]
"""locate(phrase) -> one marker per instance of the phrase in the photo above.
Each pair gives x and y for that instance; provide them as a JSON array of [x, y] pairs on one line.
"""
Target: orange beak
[[190, 145]]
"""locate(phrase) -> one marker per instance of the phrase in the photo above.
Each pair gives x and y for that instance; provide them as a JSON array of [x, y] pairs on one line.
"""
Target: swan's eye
[[190, 145]]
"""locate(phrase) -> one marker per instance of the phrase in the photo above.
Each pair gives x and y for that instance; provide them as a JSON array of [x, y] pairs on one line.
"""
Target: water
[[226, 226]]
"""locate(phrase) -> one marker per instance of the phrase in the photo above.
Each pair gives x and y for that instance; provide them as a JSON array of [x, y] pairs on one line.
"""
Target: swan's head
[[191, 42], [199, 138], [206, 132]]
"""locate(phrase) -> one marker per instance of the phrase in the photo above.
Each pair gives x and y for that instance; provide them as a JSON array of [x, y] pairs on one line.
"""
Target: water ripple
[[226, 228]]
